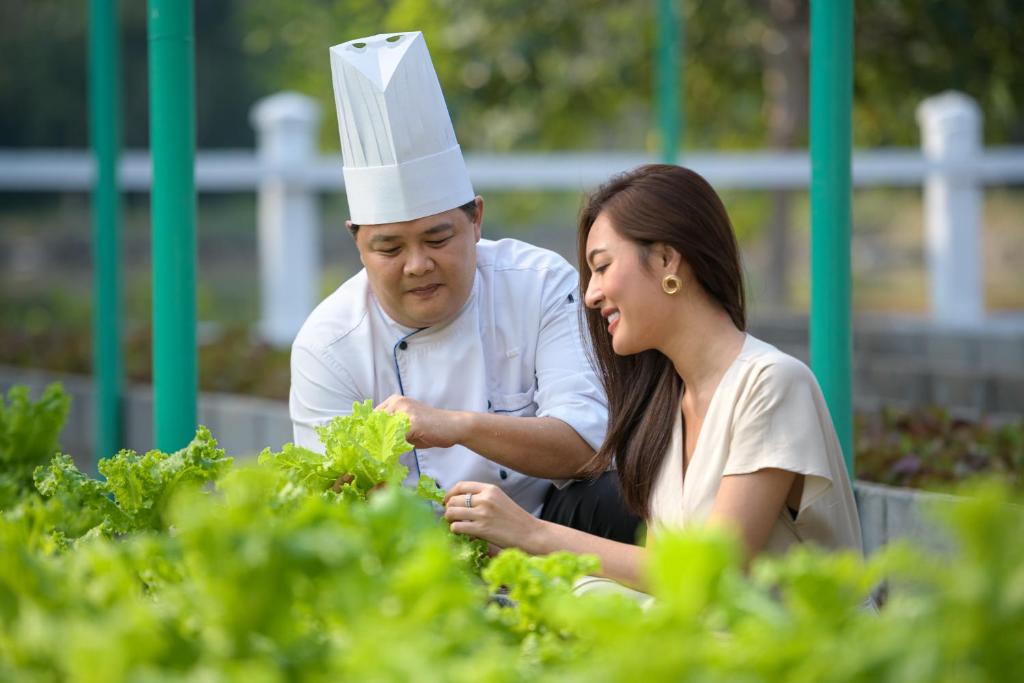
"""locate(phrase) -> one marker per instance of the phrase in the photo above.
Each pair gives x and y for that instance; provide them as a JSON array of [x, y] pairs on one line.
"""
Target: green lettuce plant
[[196, 569], [136, 489], [28, 437]]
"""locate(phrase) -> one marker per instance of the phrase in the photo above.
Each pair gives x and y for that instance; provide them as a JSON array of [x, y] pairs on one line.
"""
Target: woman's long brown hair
[[649, 205]]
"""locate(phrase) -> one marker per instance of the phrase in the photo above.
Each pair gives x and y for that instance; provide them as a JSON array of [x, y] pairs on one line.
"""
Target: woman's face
[[627, 294]]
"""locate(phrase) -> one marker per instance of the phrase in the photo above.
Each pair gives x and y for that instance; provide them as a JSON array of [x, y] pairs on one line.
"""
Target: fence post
[[831, 103], [951, 142], [172, 126], [287, 125]]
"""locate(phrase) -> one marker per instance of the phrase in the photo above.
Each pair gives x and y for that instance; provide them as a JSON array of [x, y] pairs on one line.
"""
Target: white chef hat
[[401, 158]]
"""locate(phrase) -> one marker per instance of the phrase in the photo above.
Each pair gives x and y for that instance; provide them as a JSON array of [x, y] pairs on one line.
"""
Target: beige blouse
[[767, 411]]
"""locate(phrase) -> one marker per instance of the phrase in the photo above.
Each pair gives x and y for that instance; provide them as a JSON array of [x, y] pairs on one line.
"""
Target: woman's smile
[[613, 321]]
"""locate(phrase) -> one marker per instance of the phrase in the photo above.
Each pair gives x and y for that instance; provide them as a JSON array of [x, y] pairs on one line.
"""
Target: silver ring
[[469, 500]]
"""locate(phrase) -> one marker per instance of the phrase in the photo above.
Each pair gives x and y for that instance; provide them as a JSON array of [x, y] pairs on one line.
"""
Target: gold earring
[[671, 284]]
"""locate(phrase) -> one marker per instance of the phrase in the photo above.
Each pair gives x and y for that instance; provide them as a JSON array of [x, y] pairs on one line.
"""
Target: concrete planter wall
[[244, 426], [888, 513], [911, 362]]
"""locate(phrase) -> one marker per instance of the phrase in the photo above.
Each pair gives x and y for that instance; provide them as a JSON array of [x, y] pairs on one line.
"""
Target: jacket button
[[503, 474], [403, 345]]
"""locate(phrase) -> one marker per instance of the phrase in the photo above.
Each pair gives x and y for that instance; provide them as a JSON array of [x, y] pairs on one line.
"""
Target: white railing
[[231, 170], [288, 173]]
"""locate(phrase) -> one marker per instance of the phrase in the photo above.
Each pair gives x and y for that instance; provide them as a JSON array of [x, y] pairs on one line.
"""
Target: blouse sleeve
[[781, 422]]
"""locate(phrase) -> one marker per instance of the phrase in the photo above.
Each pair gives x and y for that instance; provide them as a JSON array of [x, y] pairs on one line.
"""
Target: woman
[[707, 425]]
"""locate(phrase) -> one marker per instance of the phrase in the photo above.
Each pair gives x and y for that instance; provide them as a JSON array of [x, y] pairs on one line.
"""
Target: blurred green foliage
[[264, 573], [520, 75], [579, 73], [28, 436], [909, 50], [43, 78], [526, 74]]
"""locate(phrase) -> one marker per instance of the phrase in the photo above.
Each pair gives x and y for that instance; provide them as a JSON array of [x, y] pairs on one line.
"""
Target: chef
[[479, 342]]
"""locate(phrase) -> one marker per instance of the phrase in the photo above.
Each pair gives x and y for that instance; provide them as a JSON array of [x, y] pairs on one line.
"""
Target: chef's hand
[[428, 427], [492, 516]]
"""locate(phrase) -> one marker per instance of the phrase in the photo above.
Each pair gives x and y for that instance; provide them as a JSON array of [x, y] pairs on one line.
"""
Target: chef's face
[[422, 270]]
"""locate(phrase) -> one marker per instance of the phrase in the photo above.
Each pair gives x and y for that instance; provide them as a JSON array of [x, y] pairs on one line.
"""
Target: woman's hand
[[491, 515]]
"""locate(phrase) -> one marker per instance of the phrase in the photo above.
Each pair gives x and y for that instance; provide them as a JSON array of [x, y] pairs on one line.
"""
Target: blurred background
[[524, 77]]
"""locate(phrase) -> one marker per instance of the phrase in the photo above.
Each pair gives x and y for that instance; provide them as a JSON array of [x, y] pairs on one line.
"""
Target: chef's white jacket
[[515, 348]]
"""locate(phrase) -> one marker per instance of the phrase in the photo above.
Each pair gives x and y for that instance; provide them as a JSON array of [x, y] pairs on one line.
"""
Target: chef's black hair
[[469, 208]]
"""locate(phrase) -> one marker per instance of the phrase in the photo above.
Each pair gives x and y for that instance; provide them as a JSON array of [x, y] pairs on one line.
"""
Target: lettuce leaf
[[28, 437], [362, 451], [137, 488]]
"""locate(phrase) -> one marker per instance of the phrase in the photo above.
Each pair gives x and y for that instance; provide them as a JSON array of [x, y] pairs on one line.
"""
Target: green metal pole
[[831, 101], [667, 68], [172, 141], [104, 134]]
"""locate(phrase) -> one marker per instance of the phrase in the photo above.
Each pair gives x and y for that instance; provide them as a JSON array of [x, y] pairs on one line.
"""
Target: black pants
[[595, 506]]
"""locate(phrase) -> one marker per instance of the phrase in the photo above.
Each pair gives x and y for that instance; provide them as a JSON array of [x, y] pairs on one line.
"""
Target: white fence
[[288, 174]]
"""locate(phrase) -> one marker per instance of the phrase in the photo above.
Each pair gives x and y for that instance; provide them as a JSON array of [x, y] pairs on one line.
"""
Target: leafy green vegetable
[[274, 576], [362, 451], [304, 472], [534, 581], [137, 488], [28, 437], [427, 488]]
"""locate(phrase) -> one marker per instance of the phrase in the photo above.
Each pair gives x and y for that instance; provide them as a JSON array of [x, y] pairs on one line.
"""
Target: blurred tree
[[531, 74], [42, 74], [909, 50], [515, 74], [44, 71]]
